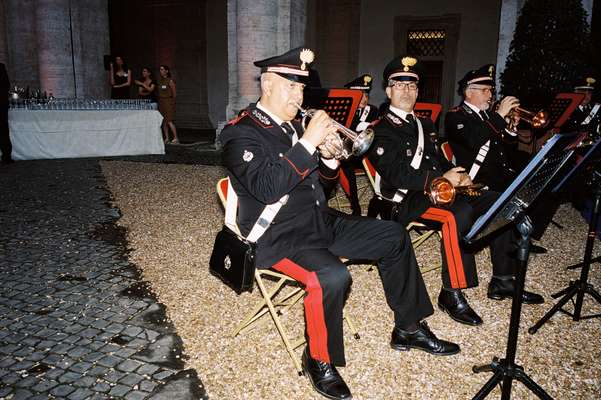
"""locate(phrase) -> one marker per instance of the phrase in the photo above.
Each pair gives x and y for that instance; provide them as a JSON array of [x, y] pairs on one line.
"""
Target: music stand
[[340, 104], [509, 208], [561, 107], [580, 286], [427, 110]]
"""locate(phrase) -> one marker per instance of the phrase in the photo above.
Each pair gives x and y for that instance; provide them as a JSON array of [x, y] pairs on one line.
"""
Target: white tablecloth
[[72, 134]]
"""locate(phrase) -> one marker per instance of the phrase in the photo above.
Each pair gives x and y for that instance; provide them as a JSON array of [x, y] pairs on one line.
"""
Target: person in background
[[5, 145], [587, 116], [146, 86], [120, 79], [365, 114], [166, 96]]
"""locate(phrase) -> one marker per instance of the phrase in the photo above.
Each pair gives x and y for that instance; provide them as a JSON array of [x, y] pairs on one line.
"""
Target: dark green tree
[[549, 52]]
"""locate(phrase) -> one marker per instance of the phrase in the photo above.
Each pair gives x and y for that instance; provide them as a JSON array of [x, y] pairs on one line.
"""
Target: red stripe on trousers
[[314, 314], [451, 245]]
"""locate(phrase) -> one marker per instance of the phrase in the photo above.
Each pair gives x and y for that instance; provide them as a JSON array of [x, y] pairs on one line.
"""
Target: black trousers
[[465, 211], [327, 279], [5, 146], [348, 167]]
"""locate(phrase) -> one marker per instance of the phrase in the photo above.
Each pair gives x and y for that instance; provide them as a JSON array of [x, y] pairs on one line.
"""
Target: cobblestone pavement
[[76, 321]]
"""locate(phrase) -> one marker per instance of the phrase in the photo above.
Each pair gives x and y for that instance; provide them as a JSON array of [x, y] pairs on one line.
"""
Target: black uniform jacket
[[367, 114], [467, 132], [391, 153], [574, 123], [264, 166]]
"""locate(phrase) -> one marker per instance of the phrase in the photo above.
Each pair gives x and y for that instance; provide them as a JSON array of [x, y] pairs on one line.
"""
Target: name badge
[[163, 86]]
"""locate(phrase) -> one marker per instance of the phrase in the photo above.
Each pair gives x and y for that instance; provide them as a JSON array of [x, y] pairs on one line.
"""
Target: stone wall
[[45, 42]]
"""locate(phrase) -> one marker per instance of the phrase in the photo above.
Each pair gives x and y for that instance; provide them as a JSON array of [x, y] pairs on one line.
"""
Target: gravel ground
[[172, 214]]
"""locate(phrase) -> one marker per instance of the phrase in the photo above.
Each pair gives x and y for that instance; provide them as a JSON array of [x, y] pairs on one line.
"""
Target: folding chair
[[423, 233], [270, 302]]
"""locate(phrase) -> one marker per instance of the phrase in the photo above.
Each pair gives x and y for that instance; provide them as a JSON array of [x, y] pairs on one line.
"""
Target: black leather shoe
[[325, 378], [454, 303], [536, 249], [422, 339], [499, 289]]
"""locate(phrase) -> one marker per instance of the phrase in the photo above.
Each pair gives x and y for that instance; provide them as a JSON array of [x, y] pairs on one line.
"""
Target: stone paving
[[76, 321]]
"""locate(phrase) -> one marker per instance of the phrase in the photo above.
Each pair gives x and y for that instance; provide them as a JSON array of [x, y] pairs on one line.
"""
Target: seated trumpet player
[[270, 157], [409, 165], [478, 134], [483, 140]]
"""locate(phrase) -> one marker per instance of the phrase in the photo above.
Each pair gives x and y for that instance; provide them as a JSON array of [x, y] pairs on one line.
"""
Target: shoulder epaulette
[[238, 118]]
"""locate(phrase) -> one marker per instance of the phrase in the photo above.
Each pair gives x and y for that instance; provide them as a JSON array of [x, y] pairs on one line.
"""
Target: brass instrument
[[351, 142], [537, 120], [442, 192]]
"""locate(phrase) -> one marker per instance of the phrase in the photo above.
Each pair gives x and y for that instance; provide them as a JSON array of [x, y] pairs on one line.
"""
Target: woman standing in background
[[146, 86], [166, 95], [120, 79]]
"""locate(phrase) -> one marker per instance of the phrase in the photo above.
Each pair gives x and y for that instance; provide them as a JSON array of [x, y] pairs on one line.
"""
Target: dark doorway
[[433, 41], [148, 33]]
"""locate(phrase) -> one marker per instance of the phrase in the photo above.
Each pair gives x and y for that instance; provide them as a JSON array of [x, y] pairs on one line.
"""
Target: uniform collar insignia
[[261, 116], [394, 119], [467, 109]]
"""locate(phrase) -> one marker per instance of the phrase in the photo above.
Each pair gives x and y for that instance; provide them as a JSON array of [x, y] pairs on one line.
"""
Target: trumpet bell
[[537, 120], [362, 142], [540, 119], [441, 192]]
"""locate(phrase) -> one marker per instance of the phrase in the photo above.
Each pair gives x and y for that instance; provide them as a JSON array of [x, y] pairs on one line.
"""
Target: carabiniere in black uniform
[[467, 132]]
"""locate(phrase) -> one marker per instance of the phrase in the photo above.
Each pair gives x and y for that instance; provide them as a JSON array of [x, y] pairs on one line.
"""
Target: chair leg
[[258, 311], [351, 326], [278, 324]]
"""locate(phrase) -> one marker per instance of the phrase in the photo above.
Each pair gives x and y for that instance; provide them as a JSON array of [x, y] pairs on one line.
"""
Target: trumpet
[[351, 142], [441, 191], [537, 120]]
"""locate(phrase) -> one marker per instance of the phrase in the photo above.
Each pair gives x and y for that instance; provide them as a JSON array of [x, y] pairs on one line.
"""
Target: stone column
[[258, 29], [510, 11], [54, 47], [588, 7], [21, 42], [90, 22], [3, 40]]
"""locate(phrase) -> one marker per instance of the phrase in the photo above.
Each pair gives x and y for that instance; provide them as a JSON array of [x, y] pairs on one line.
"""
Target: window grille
[[427, 42]]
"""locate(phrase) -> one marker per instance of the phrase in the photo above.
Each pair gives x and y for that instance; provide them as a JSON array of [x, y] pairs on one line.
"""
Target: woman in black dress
[[120, 79]]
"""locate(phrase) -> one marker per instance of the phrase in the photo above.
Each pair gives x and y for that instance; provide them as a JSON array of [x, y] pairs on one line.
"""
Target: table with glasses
[[73, 128]]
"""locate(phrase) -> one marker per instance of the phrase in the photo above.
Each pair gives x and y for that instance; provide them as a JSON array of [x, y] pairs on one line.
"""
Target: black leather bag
[[233, 261]]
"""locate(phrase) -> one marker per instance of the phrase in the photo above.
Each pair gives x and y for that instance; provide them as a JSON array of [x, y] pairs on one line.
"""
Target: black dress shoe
[[454, 303], [325, 378], [422, 339], [536, 249], [499, 289]]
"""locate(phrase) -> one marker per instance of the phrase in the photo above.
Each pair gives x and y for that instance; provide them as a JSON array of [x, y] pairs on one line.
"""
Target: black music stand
[[561, 108], [580, 286], [509, 208], [340, 104]]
